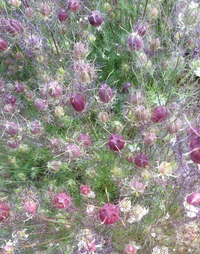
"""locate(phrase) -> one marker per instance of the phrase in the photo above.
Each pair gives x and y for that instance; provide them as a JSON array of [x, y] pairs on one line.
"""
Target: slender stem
[[55, 43], [145, 8]]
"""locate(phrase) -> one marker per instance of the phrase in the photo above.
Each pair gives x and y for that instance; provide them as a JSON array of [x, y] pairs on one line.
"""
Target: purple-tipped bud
[[11, 128], [141, 160], [73, 5], [3, 45], [105, 93], [72, 152], [159, 114], [41, 104], [62, 15], [18, 87], [141, 29], [85, 140], [11, 99], [95, 18], [134, 42], [62, 201], [116, 142], [126, 87], [54, 89], [11, 26], [34, 127], [194, 199], [109, 214], [77, 101], [45, 9]]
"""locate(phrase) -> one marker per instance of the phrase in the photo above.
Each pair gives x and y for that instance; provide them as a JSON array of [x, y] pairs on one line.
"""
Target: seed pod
[[29, 95], [134, 42], [79, 50], [126, 87], [77, 101], [140, 113], [29, 12], [8, 108], [4, 211], [109, 214], [11, 26], [59, 111], [45, 9], [105, 93], [72, 152], [130, 158], [116, 142], [116, 127], [150, 138], [153, 13], [141, 160], [195, 154], [85, 72], [146, 175], [91, 38], [3, 45], [12, 143], [62, 201], [73, 5], [40, 104], [54, 89], [85, 140], [53, 165], [62, 15], [141, 29], [137, 187], [18, 87], [193, 199], [85, 189], [54, 143], [165, 168], [95, 18], [130, 249], [159, 114], [174, 125], [30, 206], [34, 127], [11, 99], [103, 117], [15, 3], [11, 128]]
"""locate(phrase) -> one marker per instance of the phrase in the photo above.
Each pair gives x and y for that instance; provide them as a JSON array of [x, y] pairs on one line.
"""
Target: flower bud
[[91, 38], [34, 127], [54, 166], [73, 5], [107, 7], [174, 125], [59, 111], [79, 50], [18, 87], [13, 143], [11, 99], [126, 87], [141, 29], [116, 127], [146, 175], [40, 104], [130, 158], [72, 152], [54, 143], [153, 13], [11, 128], [15, 3], [159, 114], [84, 140], [11, 26], [150, 138]]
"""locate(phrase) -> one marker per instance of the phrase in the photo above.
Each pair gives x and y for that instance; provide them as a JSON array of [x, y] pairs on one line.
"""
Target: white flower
[[90, 209], [137, 213], [191, 210], [125, 205], [197, 72], [160, 250], [91, 194]]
